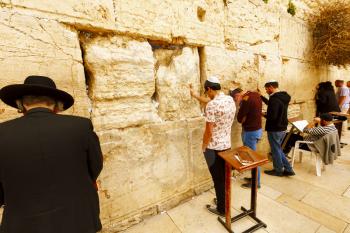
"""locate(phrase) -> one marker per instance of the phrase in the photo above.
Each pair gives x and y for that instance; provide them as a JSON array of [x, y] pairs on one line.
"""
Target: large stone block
[[299, 79], [333, 73], [201, 22], [295, 38], [152, 18], [34, 46], [146, 166], [122, 83], [88, 13], [200, 171], [270, 68], [175, 71], [252, 25], [196, 22], [233, 68], [308, 110]]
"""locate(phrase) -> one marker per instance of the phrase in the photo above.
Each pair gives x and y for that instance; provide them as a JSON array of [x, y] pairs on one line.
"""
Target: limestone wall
[[128, 63]]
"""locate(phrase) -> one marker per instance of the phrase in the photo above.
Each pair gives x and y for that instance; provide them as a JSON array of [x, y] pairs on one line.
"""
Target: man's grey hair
[[31, 100]]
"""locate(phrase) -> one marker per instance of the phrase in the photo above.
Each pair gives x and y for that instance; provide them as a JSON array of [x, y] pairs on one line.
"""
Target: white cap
[[213, 79], [272, 81]]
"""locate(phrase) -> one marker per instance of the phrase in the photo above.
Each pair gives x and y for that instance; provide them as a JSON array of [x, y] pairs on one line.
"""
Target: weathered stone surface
[[252, 25], [122, 81], [200, 173], [146, 166], [233, 68], [31, 45], [175, 71], [295, 38], [270, 68], [196, 22], [335, 73], [201, 21], [89, 13], [300, 79]]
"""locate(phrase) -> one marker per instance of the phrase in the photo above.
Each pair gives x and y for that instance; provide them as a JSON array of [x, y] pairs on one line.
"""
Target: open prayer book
[[244, 158], [300, 125]]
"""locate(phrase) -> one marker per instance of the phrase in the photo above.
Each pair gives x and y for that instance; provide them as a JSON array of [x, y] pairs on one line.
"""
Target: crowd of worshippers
[[246, 106], [49, 163]]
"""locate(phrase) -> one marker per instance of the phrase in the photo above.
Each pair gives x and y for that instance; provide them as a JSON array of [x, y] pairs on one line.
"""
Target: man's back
[[276, 118], [343, 91], [221, 111], [316, 133], [48, 165], [250, 112]]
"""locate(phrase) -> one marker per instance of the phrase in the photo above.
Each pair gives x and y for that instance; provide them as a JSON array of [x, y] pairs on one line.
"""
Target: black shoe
[[248, 179], [213, 210], [248, 185], [288, 173], [273, 172]]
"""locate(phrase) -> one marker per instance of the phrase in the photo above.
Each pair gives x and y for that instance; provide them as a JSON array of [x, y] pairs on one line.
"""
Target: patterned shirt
[[220, 111], [316, 133]]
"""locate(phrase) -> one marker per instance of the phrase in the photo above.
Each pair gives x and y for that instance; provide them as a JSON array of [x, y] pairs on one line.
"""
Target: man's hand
[[317, 120], [258, 91]]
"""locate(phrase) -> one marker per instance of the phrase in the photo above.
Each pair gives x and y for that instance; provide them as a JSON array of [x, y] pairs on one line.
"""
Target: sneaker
[[213, 210], [248, 179], [248, 185], [273, 172], [288, 173]]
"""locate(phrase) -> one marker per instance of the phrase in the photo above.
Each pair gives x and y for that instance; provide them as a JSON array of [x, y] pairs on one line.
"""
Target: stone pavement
[[304, 203]]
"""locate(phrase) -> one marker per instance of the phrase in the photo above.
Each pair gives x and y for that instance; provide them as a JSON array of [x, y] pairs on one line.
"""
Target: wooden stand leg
[[253, 201], [227, 223], [254, 191], [228, 175]]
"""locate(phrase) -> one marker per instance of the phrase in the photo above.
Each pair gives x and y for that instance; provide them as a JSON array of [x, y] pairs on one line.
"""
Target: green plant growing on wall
[[291, 8], [266, 1]]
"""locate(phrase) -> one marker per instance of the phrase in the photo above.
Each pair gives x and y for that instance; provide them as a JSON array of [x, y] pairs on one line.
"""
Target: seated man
[[313, 133], [326, 126]]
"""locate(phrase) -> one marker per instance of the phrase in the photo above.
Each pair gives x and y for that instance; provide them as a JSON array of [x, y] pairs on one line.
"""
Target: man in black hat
[[49, 163]]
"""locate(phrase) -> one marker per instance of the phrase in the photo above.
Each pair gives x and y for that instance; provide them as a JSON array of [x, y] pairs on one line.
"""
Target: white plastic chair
[[313, 151]]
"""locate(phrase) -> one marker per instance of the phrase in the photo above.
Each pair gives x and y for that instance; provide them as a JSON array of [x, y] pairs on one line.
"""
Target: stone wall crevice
[[87, 73]]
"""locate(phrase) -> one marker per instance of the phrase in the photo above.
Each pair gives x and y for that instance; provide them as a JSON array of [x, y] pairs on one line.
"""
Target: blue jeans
[[250, 139], [280, 162]]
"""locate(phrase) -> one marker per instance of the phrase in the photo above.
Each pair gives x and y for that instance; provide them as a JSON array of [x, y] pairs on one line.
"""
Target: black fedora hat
[[37, 86]]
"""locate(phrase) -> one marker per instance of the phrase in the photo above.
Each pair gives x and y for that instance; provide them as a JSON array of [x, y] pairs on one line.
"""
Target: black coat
[[277, 111], [48, 167], [326, 101]]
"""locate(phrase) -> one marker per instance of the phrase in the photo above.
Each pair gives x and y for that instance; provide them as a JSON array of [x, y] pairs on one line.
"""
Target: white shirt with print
[[220, 111]]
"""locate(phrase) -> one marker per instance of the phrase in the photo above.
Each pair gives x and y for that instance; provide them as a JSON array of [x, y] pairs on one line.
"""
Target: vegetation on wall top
[[330, 27], [291, 8]]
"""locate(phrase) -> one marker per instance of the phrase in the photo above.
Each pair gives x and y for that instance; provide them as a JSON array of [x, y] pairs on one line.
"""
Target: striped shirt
[[316, 133]]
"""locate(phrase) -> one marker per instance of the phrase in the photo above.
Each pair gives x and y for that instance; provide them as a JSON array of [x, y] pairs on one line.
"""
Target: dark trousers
[[216, 167]]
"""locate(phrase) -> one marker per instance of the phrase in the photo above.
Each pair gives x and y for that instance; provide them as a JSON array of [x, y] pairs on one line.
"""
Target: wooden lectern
[[242, 159]]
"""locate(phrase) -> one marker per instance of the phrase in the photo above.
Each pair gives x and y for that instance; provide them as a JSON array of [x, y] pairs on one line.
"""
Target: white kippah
[[272, 81], [213, 79]]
